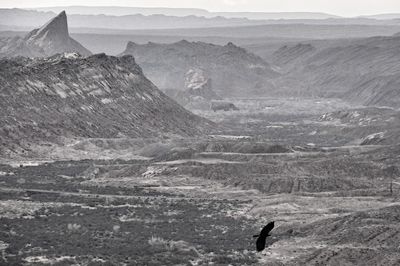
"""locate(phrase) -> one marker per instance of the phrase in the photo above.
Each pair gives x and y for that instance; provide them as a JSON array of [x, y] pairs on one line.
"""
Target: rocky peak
[[56, 30]]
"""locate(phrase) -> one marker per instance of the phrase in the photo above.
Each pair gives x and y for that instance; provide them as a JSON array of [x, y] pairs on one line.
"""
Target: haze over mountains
[[266, 36], [93, 31], [181, 12], [384, 16], [22, 19], [305, 68]]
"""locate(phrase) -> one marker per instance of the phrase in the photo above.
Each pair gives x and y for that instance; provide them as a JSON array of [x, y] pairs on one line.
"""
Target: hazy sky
[[338, 7]]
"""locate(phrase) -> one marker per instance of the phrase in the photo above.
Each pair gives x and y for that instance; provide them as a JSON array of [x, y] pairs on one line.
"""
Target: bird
[[260, 244]]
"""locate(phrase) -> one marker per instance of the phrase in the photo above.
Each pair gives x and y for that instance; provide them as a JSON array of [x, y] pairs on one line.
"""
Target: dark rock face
[[233, 70], [97, 97], [48, 40]]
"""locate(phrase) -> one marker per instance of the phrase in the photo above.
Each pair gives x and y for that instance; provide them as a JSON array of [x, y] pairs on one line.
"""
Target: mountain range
[[143, 19], [122, 11], [362, 70], [181, 12], [23, 19]]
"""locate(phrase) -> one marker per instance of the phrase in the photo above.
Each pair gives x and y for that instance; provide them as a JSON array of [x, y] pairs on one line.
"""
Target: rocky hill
[[233, 70], [95, 97], [50, 39]]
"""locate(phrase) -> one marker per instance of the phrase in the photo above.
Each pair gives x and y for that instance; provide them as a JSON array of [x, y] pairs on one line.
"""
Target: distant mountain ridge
[[276, 15], [32, 18], [383, 16], [122, 11], [233, 70], [50, 39], [20, 19]]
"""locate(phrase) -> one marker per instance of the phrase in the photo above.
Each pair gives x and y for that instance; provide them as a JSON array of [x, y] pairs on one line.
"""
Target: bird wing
[[260, 244], [265, 231]]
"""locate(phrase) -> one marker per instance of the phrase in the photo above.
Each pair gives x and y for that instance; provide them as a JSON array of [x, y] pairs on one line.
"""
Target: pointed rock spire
[[53, 38], [56, 28]]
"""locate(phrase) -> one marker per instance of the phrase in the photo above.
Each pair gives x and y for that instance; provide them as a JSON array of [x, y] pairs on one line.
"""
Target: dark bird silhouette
[[262, 237]]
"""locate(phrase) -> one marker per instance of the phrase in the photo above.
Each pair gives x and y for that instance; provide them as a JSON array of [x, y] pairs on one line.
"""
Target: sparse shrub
[[170, 245], [116, 228], [73, 227]]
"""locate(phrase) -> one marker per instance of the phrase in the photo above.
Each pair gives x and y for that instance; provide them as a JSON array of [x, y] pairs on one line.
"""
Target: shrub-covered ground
[[94, 225]]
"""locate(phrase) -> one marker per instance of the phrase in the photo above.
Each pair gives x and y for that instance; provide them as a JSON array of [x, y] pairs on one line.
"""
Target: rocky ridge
[[95, 97]]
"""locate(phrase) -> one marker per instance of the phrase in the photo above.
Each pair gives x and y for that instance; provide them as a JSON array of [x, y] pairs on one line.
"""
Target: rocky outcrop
[[50, 39], [198, 92], [197, 84]]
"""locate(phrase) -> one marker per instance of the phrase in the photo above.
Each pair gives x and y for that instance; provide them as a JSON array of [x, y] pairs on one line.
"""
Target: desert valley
[[174, 138]]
